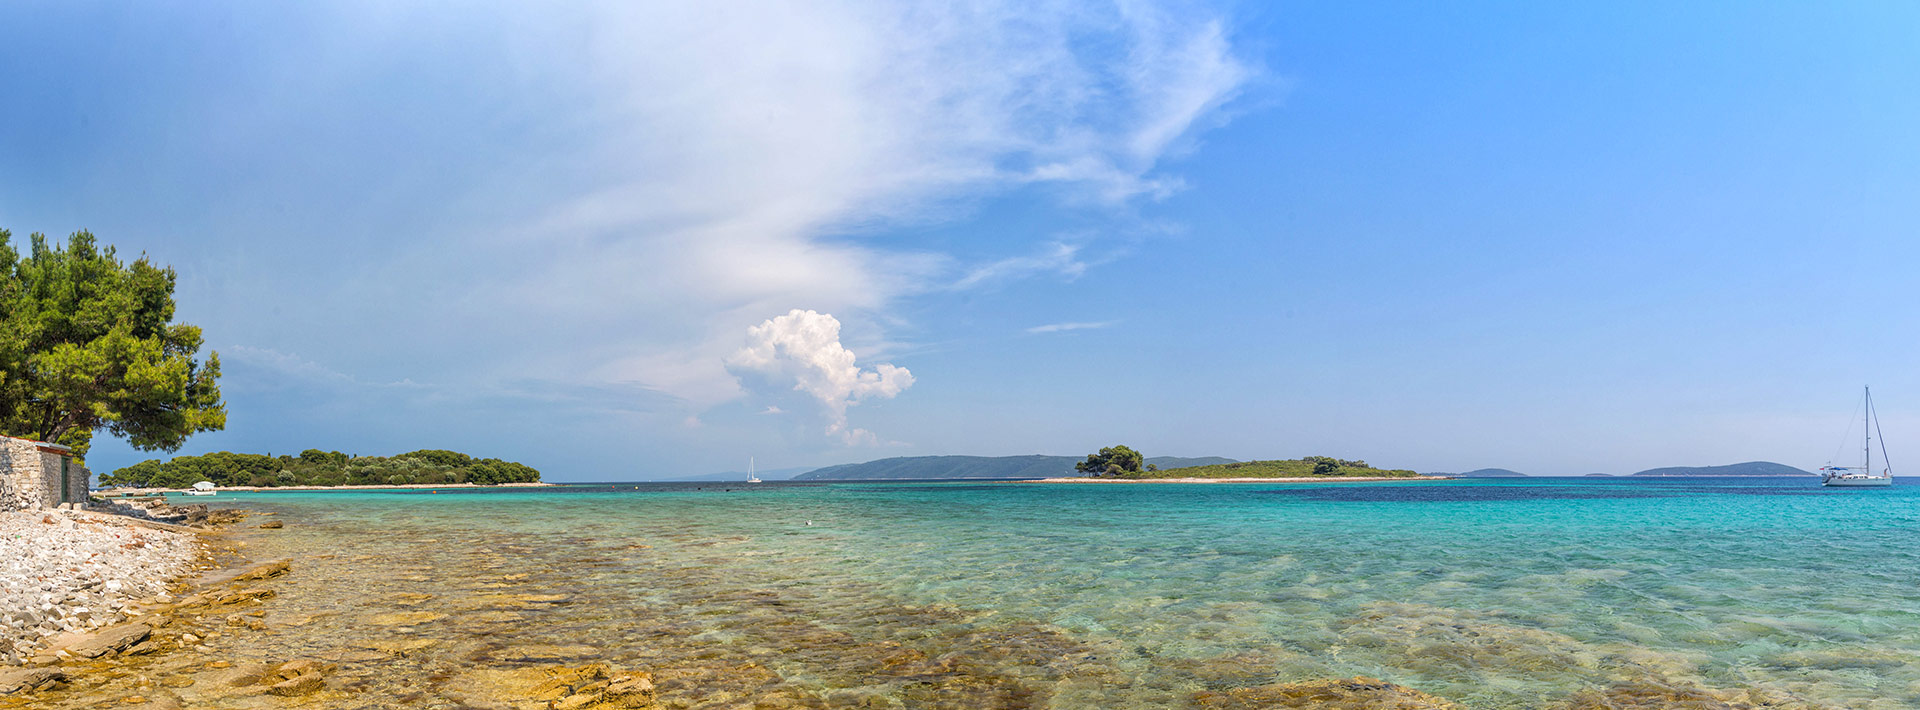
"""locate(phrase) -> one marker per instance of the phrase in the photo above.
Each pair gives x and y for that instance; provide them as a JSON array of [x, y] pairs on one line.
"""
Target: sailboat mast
[[1867, 424]]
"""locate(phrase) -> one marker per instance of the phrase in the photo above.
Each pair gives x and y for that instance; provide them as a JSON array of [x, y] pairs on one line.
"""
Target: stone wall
[[30, 475]]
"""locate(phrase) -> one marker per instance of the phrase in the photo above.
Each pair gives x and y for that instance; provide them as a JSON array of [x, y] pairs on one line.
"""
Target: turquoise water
[[1494, 593]]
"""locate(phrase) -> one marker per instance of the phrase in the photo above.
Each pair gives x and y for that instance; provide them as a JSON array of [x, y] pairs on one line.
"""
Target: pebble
[[63, 572]]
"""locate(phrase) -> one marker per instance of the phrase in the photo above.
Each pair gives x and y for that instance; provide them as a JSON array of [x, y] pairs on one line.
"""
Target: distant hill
[[907, 468], [1750, 468], [1489, 473]]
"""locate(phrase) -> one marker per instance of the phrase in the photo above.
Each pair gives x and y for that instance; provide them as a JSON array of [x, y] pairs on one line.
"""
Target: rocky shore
[[67, 571]]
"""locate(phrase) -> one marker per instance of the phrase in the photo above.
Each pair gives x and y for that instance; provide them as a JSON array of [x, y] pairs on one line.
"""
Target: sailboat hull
[[1858, 482]]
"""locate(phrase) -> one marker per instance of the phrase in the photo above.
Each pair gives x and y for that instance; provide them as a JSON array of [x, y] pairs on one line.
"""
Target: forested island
[[314, 467], [906, 468], [1309, 467], [1123, 462]]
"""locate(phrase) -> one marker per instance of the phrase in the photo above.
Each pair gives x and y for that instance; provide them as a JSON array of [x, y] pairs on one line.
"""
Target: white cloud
[[746, 145], [608, 193], [1059, 258], [1062, 327], [804, 346]]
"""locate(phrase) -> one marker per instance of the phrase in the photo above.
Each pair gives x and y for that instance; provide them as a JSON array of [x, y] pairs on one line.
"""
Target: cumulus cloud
[[804, 346]]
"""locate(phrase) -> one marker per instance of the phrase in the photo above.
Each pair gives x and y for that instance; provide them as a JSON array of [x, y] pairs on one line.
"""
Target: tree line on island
[[1124, 462], [314, 467]]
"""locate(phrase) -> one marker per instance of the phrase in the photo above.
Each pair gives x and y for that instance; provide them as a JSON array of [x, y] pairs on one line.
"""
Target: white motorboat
[[203, 488], [1862, 476]]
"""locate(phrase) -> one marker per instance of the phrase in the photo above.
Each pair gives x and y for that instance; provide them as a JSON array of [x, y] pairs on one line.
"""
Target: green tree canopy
[[314, 467], [1111, 461], [87, 342]]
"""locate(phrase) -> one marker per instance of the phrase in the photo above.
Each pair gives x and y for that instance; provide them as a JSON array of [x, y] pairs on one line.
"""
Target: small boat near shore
[[1862, 476], [203, 488]]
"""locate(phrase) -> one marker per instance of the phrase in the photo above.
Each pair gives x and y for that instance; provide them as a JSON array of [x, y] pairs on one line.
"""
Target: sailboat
[[750, 477], [1862, 475]]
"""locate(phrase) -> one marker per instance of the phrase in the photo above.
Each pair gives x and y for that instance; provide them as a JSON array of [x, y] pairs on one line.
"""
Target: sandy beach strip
[[1314, 479]]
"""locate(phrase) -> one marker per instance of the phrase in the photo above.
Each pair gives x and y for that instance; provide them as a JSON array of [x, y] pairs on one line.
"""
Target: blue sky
[[1559, 238]]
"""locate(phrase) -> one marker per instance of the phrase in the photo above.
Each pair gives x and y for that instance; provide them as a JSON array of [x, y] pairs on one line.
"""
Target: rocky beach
[[65, 572]]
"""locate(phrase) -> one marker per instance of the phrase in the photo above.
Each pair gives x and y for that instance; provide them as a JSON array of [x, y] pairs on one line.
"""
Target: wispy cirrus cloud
[[1059, 258], [1064, 327]]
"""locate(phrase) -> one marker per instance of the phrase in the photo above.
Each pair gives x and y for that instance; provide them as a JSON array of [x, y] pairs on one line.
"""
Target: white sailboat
[[1863, 475], [750, 477]]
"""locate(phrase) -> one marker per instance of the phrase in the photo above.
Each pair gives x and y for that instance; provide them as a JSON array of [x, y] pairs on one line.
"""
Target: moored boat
[[1862, 476]]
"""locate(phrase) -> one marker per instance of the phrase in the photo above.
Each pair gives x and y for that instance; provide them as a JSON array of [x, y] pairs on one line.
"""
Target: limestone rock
[[1357, 693], [593, 686], [405, 618], [264, 570], [1653, 695], [541, 653], [242, 595], [298, 677], [20, 680], [112, 639], [273, 525]]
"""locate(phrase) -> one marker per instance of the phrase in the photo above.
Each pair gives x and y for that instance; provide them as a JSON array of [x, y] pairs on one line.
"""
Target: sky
[[623, 241]]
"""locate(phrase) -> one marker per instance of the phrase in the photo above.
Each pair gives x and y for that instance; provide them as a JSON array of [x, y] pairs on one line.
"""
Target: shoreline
[[139, 492], [1321, 479]]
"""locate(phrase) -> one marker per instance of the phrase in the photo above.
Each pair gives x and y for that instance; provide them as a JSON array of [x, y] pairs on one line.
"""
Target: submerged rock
[[594, 685], [541, 653], [405, 618], [1450, 641], [1652, 695], [1357, 693]]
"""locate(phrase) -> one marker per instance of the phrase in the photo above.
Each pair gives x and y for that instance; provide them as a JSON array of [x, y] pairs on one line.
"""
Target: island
[[1750, 468], [314, 468], [1006, 468], [1484, 473], [1121, 464]]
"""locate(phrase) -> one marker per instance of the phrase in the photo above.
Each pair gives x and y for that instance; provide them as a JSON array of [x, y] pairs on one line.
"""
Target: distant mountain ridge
[[906, 468], [1750, 468]]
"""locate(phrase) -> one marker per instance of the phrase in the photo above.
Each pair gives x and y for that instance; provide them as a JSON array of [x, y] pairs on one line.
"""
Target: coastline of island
[[1290, 479], [139, 492]]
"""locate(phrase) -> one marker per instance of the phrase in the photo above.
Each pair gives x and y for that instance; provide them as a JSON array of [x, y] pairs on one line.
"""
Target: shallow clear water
[[1493, 593]]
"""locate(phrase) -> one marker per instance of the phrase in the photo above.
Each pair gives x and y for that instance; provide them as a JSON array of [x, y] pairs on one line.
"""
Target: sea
[[1494, 594]]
